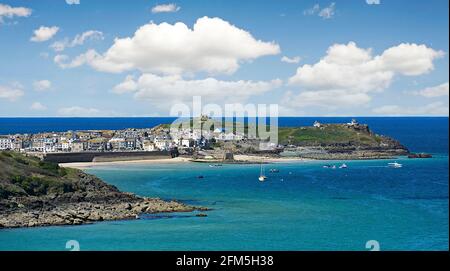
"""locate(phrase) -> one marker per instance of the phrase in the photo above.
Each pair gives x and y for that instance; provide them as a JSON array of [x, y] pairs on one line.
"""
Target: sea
[[304, 206]]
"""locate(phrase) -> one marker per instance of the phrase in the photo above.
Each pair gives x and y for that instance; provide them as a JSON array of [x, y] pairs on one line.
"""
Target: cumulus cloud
[[332, 99], [44, 33], [78, 40], [165, 8], [436, 109], [373, 2], [128, 85], [293, 60], [12, 92], [73, 2], [42, 85], [159, 90], [436, 91], [212, 45], [349, 73], [37, 106], [325, 13], [7, 11], [78, 111]]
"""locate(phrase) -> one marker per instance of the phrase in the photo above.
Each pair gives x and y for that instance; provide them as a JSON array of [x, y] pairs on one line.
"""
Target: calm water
[[417, 133], [303, 207]]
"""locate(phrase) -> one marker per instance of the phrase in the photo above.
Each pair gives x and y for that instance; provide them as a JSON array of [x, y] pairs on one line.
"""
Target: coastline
[[249, 159], [86, 165]]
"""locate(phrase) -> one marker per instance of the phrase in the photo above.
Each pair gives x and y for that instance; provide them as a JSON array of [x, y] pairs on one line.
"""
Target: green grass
[[23, 175], [329, 134]]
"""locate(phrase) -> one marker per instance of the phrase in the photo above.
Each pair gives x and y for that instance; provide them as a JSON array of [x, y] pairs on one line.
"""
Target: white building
[[5, 143], [317, 124], [187, 142], [353, 123], [148, 146], [163, 144]]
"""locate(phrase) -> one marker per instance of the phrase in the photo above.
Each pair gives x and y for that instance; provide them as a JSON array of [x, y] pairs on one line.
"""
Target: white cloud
[[44, 33], [73, 2], [373, 2], [328, 12], [161, 90], [62, 60], [79, 39], [436, 91], [313, 10], [212, 45], [435, 109], [165, 8], [128, 85], [333, 99], [78, 111], [12, 92], [7, 11], [37, 106], [42, 85], [293, 60], [348, 73]]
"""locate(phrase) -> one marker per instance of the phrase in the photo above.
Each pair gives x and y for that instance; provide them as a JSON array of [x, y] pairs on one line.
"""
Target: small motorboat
[[274, 170], [329, 166], [343, 166], [200, 177], [215, 165], [262, 177], [395, 165]]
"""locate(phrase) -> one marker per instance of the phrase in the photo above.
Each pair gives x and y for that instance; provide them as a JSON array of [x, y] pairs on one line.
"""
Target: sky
[[82, 58]]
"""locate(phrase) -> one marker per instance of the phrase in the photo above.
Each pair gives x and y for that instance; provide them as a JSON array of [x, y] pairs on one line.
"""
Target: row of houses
[[111, 140]]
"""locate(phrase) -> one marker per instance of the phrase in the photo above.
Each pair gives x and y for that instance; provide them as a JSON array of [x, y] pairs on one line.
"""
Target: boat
[[343, 166], [274, 170], [329, 166], [200, 177], [395, 165], [215, 165], [262, 177]]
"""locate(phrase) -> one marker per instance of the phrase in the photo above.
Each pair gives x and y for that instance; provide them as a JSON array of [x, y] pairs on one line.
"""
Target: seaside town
[[159, 138], [128, 140]]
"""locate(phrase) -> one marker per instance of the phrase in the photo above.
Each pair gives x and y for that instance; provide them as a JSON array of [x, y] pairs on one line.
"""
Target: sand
[[243, 158], [84, 165]]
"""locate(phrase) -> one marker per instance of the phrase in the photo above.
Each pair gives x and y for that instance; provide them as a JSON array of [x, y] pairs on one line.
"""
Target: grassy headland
[[36, 193]]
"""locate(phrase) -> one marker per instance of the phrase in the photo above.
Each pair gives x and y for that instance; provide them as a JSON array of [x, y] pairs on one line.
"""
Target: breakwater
[[105, 156]]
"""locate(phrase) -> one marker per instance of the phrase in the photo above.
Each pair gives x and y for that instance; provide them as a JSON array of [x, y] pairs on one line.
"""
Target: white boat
[[343, 166], [395, 165], [262, 177]]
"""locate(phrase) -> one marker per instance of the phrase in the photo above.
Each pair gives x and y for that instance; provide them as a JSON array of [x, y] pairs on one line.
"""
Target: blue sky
[[346, 57]]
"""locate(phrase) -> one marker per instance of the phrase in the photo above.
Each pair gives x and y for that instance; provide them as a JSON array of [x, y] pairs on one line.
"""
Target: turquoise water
[[303, 207]]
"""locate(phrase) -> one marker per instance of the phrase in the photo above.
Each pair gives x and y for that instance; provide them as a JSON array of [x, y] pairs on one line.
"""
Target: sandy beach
[[84, 165], [268, 159], [239, 158]]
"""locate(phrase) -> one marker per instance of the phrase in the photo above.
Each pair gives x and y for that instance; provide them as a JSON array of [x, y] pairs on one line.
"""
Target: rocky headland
[[35, 193], [351, 141]]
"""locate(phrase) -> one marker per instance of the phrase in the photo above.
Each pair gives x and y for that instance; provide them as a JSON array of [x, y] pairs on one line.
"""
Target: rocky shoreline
[[86, 212], [35, 193]]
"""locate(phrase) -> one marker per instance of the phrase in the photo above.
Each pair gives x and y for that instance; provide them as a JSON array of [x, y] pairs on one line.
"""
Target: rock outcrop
[[33, 193]]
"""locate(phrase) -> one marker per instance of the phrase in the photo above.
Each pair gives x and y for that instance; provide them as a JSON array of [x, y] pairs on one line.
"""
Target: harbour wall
[[74, 157]]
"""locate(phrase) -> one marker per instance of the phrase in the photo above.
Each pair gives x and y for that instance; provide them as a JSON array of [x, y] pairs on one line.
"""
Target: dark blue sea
[[303, 207], [427, 134]]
